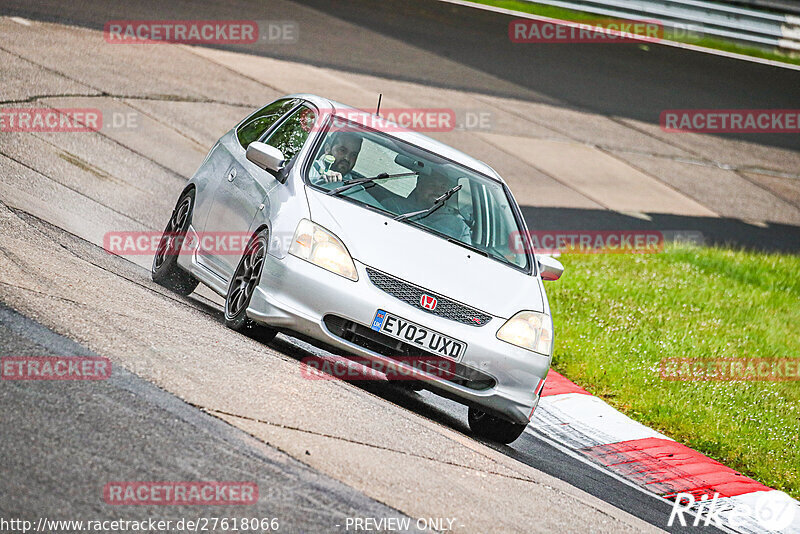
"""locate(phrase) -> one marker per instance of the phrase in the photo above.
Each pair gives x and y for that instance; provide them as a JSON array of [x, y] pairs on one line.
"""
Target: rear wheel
[[494, 428], [165, 270], [243, 283]]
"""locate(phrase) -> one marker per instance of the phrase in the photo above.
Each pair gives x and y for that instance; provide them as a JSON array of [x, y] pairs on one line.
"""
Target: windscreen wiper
[[358, 181], [438, 203]]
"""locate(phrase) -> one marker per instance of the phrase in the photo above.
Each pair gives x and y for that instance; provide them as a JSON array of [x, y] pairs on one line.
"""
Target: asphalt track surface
[[622, 80], [629, 82], [125, 428], [78, 438], [613, 79]]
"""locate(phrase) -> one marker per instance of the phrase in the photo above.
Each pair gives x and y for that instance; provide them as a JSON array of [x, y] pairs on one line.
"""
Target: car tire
[[165, 270], [240, 290], [494, 428]]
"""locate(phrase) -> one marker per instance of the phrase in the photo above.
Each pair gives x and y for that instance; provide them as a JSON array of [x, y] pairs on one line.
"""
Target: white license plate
[[418, 335]]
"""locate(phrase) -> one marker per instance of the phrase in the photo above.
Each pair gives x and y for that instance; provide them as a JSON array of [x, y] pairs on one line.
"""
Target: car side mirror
[[266, 156], [549, 267]]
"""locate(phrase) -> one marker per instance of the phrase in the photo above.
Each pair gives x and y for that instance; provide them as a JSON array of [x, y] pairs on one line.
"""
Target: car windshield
[[478, 215]]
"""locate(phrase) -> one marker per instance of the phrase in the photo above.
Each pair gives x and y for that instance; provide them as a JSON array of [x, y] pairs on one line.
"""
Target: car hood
[[425, 259]]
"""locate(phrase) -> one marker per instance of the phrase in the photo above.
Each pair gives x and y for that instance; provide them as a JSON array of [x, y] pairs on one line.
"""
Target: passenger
[[447, 219]]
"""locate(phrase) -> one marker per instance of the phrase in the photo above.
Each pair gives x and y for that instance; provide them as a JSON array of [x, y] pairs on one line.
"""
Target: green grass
[[716, 43], [618, 315]]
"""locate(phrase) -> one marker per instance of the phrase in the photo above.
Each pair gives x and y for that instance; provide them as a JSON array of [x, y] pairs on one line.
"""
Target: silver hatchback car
[[375, 241]]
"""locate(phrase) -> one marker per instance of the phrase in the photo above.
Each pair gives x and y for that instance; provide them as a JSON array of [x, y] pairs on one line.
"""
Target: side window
[[290, 136], [255, 125]]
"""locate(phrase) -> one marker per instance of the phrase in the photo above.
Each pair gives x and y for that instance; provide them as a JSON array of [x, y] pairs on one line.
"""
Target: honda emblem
[[428, 302]]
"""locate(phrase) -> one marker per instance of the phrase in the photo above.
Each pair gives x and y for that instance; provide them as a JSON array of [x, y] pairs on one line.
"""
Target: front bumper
[[297, 295]]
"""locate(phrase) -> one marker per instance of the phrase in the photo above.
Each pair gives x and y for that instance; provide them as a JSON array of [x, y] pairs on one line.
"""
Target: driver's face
[[429, 189], [346, 152]]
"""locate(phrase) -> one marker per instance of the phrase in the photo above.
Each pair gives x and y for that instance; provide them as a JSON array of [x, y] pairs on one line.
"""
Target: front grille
[[405, 353], [412, 295]]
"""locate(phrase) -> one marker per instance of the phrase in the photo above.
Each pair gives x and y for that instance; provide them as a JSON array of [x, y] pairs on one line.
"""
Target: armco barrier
[[735, 22]]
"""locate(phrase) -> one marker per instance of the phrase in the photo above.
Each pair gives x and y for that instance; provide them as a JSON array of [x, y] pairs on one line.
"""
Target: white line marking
[[20, 20], [664, 42]]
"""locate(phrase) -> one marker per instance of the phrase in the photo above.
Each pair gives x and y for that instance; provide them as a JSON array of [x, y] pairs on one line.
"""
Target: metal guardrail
[[791, 7], [745, 24]]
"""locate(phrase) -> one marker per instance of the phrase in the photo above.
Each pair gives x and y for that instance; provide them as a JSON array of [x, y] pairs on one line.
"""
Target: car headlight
[[315, 244], [529, 330]]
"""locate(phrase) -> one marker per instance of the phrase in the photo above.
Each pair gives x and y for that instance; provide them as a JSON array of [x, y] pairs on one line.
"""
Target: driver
[[447, 219], [343, 148]]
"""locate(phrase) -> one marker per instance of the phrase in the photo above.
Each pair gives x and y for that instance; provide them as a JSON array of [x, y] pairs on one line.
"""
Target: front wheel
[[243, 283], [494, 428]]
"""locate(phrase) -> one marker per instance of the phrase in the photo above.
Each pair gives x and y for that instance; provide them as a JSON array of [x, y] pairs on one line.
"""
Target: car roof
[[410, 136]]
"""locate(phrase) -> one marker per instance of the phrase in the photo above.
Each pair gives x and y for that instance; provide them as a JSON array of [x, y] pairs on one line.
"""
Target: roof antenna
[[378, 111]]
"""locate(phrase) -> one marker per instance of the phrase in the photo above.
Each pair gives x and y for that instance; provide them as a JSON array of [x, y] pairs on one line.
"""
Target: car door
[[247, 186], [240, 190]]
